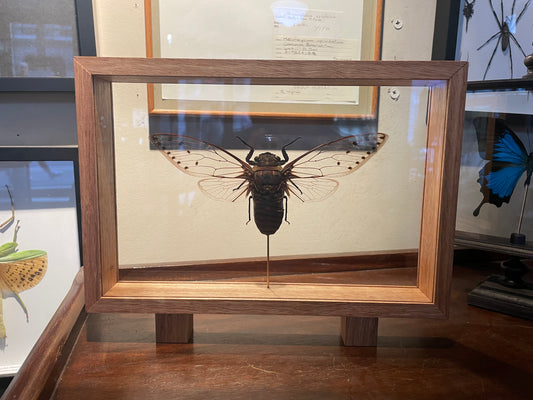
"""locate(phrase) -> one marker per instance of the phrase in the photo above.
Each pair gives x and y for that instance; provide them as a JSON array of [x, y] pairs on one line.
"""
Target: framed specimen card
[[279, 30]]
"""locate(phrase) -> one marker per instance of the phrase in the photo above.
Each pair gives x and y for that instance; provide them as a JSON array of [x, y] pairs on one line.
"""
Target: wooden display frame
[[105, 290]]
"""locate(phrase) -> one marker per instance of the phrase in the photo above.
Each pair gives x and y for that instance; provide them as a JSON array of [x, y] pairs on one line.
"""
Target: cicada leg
[[286, 209], [249, 210]]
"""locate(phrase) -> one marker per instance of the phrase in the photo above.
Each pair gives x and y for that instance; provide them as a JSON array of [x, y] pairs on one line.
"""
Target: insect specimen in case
[[507, 158], [468, 11], [19, 270], [268, 180], [505, 34]]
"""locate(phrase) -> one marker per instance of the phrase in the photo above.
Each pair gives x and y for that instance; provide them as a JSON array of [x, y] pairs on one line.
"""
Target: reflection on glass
[[37, 39], [38, 184]]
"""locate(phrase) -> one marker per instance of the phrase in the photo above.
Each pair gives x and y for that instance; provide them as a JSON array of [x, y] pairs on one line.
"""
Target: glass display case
[[494, 210], [40, 251], [175, 203], [497, 148]]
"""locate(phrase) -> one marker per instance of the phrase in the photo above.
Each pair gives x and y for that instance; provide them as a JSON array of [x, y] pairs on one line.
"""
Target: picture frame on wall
[[39, 212], [39, 42], [316, 30]]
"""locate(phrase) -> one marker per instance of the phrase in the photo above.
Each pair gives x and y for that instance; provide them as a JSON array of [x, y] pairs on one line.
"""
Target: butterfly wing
[[309, 175], [18, 272], [225, 175], [507, 161], [22, 270]]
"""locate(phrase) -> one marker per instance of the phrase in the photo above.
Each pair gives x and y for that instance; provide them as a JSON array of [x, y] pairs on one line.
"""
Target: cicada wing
[[230, 189], [198, 158], [312, 189], [309, 175], [24, 274], [336, 158]]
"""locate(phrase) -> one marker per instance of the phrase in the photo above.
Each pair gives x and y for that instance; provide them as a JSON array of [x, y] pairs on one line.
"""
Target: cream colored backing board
[[162, 213]]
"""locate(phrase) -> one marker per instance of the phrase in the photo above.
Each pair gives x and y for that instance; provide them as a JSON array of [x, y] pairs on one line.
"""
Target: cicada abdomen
[[268, 188]]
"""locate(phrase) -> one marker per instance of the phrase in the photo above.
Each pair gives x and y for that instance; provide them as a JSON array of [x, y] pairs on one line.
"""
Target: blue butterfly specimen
[[507, 161]]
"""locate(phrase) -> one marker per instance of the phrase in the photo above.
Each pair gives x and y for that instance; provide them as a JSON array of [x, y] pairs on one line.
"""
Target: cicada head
[[267, 160]]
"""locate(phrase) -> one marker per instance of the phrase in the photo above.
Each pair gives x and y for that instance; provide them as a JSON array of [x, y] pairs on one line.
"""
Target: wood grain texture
[[361, 332], [173, 328], [87, 154], [37, 377], [287, 72], [336, 268], [105, 150], [450, 188]]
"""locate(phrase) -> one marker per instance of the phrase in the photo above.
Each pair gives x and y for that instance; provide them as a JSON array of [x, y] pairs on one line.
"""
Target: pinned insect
[[268, 180], [468, 11], [505, 34], [19, 270]]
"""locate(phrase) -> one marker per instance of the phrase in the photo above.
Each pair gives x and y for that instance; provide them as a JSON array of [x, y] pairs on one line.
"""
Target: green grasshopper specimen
[[19, 270]]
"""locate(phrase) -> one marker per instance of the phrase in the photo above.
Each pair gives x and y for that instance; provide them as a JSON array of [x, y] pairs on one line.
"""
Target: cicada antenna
[[250, 153]]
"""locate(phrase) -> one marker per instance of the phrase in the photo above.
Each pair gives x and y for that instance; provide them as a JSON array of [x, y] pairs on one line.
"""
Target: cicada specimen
[[268, 180], [19, 270]]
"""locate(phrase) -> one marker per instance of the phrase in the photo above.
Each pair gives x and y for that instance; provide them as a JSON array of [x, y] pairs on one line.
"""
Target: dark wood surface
[[476, 354]]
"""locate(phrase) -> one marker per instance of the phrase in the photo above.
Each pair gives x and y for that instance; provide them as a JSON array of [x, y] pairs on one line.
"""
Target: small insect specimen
[[468, 11], [506, 31], [507, 161], [19, 270], [268, 180]]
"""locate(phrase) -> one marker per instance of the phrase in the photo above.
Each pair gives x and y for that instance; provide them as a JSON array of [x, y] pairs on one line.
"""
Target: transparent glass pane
[[186, 207], [38, 38]]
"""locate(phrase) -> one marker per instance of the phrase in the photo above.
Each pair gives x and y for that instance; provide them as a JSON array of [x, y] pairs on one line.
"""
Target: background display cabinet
[[494, 211]]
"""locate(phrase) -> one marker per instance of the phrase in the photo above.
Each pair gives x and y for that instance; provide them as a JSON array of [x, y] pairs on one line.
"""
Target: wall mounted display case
[[496, 113], [156, 241], [495, 37], [38, 211]]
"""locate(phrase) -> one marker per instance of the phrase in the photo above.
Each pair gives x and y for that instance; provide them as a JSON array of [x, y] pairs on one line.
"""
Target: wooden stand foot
[[173, 328], [359, 331]]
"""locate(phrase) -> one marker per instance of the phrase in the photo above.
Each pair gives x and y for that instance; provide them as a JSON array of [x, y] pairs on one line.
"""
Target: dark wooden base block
[[173, 328], [359, 331]]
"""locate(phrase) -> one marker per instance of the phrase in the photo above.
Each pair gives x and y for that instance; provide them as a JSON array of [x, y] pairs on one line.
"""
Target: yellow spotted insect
[[19, 270]]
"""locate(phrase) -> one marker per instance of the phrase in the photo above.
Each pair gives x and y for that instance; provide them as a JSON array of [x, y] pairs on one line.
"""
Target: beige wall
[[164, 217]]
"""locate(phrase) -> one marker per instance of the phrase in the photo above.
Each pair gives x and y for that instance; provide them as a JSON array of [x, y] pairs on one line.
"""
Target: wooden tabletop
[[475, 354]]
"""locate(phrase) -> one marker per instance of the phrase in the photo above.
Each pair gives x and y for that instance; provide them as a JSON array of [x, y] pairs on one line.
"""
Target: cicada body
[[268, 189]]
